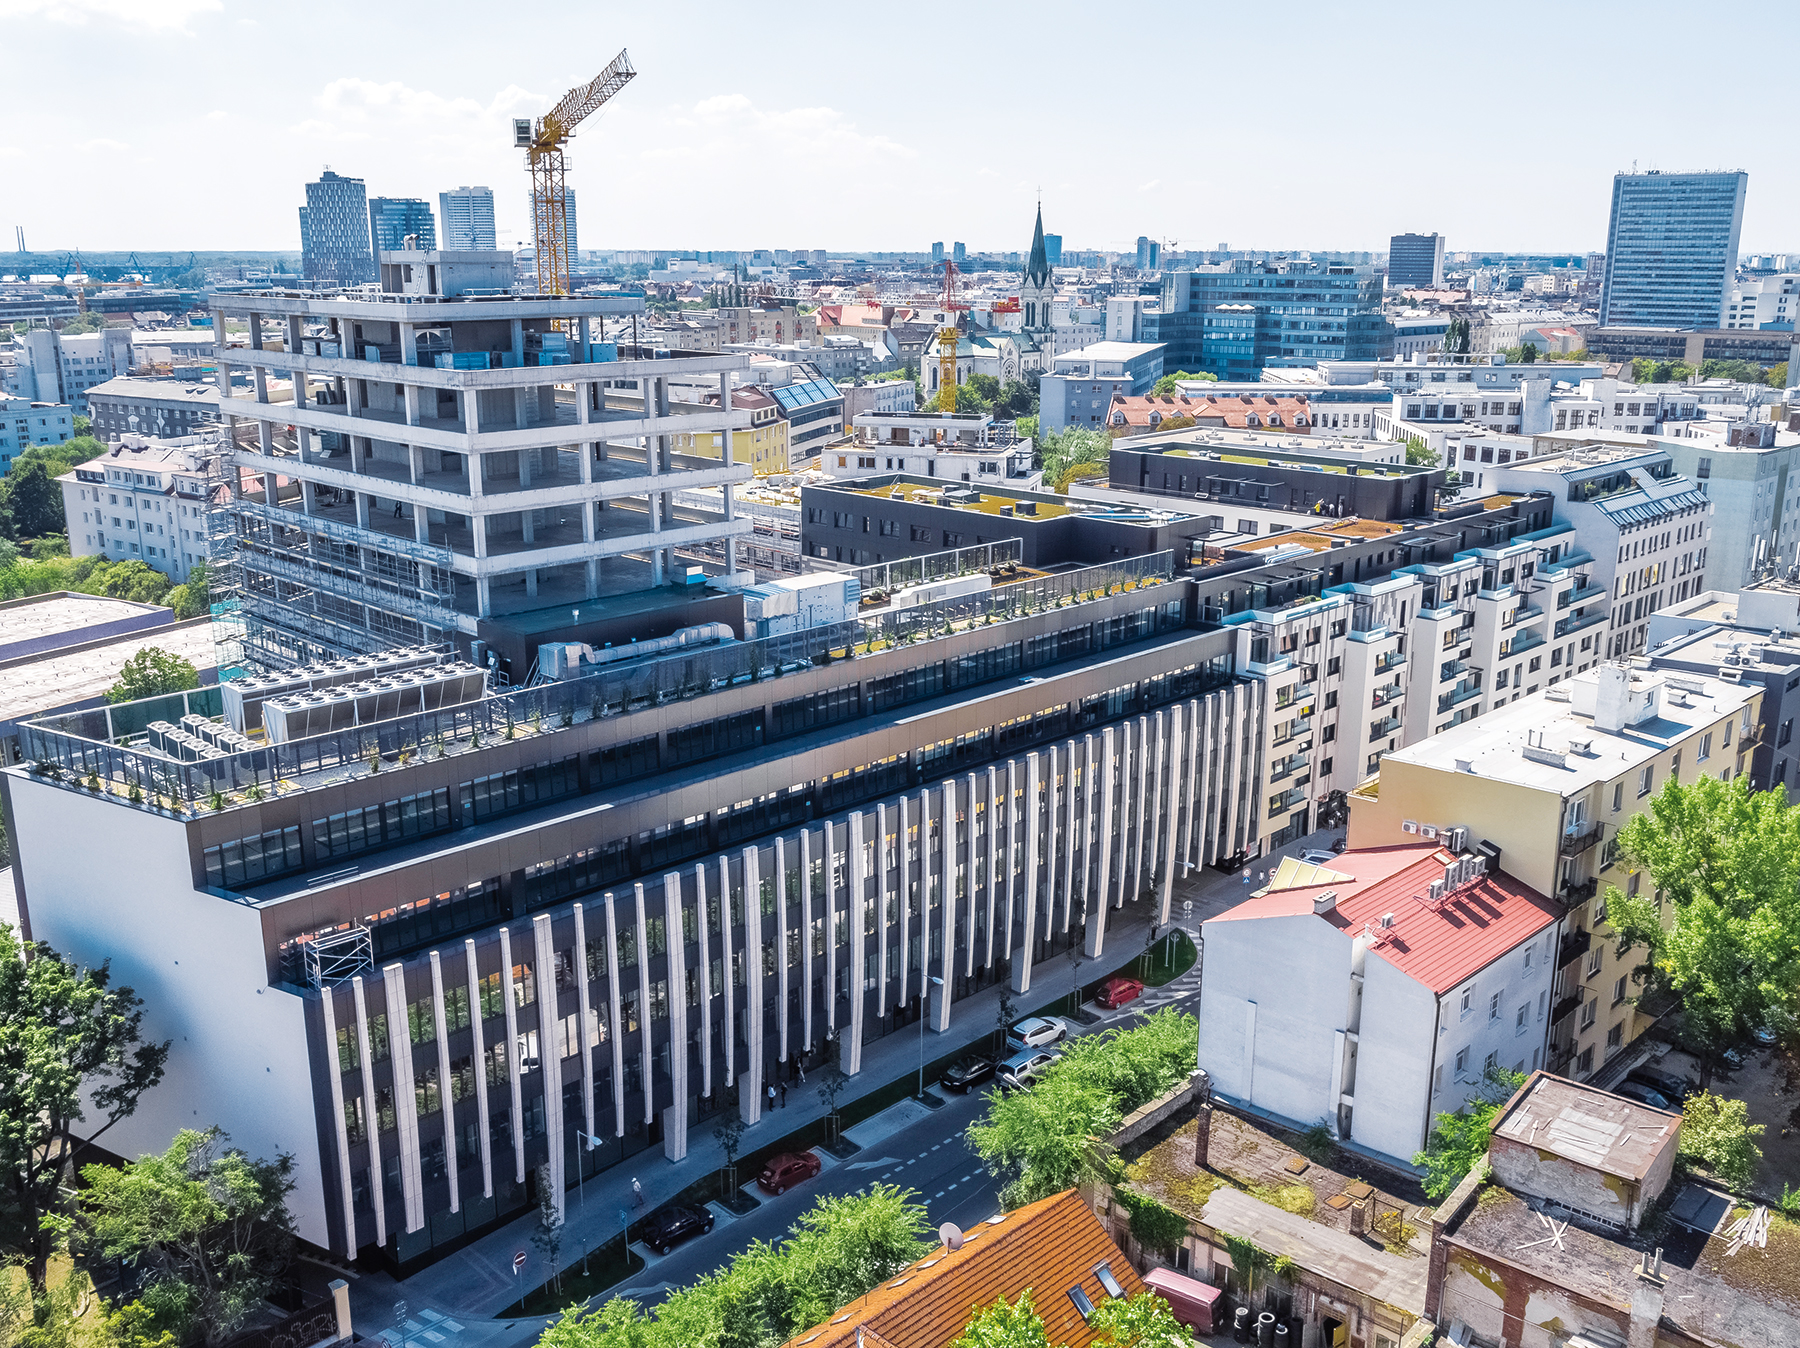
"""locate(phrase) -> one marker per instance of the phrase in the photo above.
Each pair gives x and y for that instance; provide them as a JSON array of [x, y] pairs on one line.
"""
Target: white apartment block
[[64, 367], [1763, 301], [24, 423], [143, 500]]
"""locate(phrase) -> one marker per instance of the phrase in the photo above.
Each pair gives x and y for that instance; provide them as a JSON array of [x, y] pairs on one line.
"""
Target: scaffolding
[[224, 580]]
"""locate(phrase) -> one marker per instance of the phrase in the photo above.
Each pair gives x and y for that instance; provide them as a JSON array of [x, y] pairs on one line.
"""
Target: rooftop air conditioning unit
[[1428, 831], [1456, 837], [1731, 675], [1409, 826]]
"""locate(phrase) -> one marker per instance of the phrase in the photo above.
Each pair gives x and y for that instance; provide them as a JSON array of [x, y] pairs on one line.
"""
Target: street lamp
[[924, 1011]]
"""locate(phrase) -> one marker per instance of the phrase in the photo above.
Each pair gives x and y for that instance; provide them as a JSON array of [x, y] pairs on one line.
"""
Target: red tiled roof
[[1244, 411], [1439, 944], [1048, 1246]]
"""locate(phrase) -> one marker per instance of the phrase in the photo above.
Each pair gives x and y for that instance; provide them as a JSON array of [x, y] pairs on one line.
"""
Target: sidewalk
[[472, 1285]]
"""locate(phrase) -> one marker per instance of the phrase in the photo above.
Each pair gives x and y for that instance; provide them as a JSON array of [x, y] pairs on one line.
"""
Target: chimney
[[1359, 1217], [1324, 903], [1202, 1135], [1612, 705]]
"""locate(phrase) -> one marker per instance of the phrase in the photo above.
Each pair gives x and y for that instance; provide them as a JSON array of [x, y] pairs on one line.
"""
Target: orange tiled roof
[[1239, 412], [1048, 1246]]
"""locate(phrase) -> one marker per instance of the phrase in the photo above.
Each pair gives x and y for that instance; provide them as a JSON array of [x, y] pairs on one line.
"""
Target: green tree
[[206, 1224], [1137, 1322], [192, 598], [1005, 1324], [1419, 454], [88, 322], [1777, 376], [1077, 447], [1456, 337], [1529, 353], [30, 501], [547, 1235], [151, 673], [1041, 1141], [1717, 1133], [1459, 1141], [1165, 387], [136, 581], [1729, 860], [81, 425], [69, 1043]]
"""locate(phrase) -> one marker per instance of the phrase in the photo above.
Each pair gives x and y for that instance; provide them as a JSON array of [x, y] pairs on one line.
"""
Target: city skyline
[[415, 118]]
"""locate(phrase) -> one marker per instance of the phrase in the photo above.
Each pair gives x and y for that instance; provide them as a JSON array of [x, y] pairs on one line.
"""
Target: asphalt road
[[929, 1156]]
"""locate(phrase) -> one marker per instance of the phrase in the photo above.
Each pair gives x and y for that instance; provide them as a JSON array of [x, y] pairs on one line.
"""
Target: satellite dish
[[951, 1234]]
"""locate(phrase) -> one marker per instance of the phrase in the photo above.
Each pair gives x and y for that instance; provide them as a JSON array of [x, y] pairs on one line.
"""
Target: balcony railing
[[1392, 660], [1287, 768], [1564, 1009], [1579, 891], [1385, 695], [1456, 696], [1575, 622], [1574, 945], [1381, 729], [1525, 641], [1574, 844], [1578, 596]]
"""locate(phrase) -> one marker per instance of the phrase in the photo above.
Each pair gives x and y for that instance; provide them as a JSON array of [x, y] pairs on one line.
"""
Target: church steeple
[[1037, 270]]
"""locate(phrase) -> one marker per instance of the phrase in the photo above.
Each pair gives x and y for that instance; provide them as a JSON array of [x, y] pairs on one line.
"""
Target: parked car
[[1646, 1095], [1732, 1057], [1314, 857], [662, 1231], [1115, 992], [1765, 1034], [1024, 1068], [968, 1074], [1036, 1032], [783, 1172], [1671, 1084]]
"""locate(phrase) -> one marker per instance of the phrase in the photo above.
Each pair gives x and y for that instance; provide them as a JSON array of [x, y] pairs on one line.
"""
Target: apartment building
[[958, 447], [163, 408], [1544, 785], [1081, 384], [24, 423], [1763, 302], [65, 368], [1646, 526], [1404, 973], [763, 444], [429, 951], [1750, 479], [450, 461], [144, 500]]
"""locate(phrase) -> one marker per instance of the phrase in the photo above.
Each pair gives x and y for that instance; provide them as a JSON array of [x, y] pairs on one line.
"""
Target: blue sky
[[160, 124]]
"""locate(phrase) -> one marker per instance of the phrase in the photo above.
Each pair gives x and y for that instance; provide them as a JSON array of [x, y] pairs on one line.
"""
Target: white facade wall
[[1388, 1076]]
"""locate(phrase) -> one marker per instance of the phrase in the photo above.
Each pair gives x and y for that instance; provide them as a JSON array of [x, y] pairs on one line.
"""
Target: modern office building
[[1053, 249], [334, 232], [1671, 249], [1232, 319], [24, 423], [1544, 785], [958, 253], [432, 947], [144, 500], [937, 253], [1415, 262], [393, 220], [1080, 385], [467, 214], [450, 461], [57, 367], [1149, 254]]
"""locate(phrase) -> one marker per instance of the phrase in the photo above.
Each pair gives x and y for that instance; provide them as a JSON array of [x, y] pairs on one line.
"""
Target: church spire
[[1037, 270]]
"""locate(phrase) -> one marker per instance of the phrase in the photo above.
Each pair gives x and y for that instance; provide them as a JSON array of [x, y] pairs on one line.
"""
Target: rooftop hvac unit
[[1456, 837], [1409, 826], [1428, 832], [1731, 675]]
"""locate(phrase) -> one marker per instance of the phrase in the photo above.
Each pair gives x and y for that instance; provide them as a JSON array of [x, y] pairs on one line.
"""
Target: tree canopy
[[151, 673], [1717, 1133], [31, 503], [1166, 386], [69, 1042], [206, 1225], [1118, 1322], [1419, 454], [840, 1249], [1062, 452], [1728, 858], [1459, 1141]]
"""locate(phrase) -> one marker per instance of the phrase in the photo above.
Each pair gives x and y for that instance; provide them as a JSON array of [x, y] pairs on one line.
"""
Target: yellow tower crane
[[543, 146]]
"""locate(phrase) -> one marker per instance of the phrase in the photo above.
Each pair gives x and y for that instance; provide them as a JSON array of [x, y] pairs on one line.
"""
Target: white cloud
[[134, 13]]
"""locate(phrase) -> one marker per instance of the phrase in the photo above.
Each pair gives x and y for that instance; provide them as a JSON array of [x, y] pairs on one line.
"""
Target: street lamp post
[[924, 1010]]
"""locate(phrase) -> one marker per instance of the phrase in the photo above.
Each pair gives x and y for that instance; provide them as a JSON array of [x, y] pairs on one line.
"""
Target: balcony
[[1458, 695], [1564, 1009], [1528, 613], [1586, 592], [1574, 945], [1575, 622], [1574, 844], [1381, 729], [1285, 769], [1287, 800], [1294, 732], [1579, 891], [1392, 660], [1525, 641], [1385, 695]]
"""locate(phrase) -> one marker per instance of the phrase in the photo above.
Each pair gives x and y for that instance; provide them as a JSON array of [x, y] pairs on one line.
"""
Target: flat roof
[[1493, 745], [164, 390], [51, 682], [1587, 1126], [42, 619], [1338, 1256], [930, 491]]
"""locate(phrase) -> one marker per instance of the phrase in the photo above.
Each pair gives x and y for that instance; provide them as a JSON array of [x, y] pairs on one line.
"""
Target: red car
[[783, 1172], [1115, 992]]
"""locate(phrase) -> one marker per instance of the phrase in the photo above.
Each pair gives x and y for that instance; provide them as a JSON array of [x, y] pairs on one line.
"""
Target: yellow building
[[1549, 780], [763, 445]]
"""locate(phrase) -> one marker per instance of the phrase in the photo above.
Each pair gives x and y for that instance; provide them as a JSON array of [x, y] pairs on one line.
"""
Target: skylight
[[1103, 1271]]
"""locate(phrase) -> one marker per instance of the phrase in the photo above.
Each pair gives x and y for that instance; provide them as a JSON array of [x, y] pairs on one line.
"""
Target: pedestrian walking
[[784, 1095], [771, 1095], [802, 1074], [637, 1192]]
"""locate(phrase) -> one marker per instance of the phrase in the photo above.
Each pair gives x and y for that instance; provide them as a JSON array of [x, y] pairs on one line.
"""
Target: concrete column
[[1099, 826], [479, 1050], [410, 399], [405, 1102], [415, 464], [830, 933], [372, 1124], [783, 976], [340, 1128], [939, 1005], [1158, 756], [706, 993], [903, 858], [992, 799], [484, 603], [858, 883], [584, 1002], [675, 1115], [1007, 818], [448, 1106], [518, 341], [513, 1084], [806, 939], [362, 509], [1022, 959], [882, 924], [256, 335], [752, 1079], [549, 1054], [644, 1054], [730, 984], [971, 856], [618, 1023], [409, 345], [1171, 807], [223, 379]]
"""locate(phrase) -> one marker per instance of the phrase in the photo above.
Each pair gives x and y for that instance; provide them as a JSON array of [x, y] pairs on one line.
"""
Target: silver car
[[1037, 1032], [1024, 1068]]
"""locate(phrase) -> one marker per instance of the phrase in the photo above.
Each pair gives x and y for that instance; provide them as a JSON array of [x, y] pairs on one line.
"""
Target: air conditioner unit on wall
[[1409, 826]]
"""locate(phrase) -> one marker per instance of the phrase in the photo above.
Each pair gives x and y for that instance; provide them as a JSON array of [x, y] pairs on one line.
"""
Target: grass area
[[609, 1264], [1158, 969], [1298, 1199]]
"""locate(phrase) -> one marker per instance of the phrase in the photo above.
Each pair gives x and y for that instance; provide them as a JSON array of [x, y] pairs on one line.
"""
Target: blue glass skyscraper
[[391, 219], [1671, 249]]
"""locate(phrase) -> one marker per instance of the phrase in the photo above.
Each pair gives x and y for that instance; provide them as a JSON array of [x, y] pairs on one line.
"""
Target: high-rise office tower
[[1416, 260], [391, 219], [468, 216], [937, 252], [958, 253], [1671, 249], [1053, 249], [334, 231], [1149, 254]]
